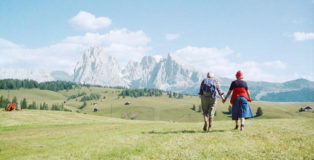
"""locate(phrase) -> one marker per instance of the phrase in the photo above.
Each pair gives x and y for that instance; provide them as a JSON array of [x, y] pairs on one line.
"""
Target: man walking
[[208, 89]]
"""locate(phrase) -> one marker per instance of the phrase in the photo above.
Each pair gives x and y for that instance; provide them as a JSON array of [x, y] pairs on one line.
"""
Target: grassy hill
[[150, 108], [35, 134]]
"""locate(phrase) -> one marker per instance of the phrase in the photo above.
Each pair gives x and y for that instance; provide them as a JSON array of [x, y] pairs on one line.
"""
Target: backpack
[[209, 88]]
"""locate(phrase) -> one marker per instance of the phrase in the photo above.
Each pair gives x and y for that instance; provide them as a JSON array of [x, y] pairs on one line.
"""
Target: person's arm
[[228, 94], [221, 94], [249, 95], [201, 91], [248, 92]]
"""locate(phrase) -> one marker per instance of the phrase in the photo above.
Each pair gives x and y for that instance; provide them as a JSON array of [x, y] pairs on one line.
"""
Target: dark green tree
[[180, 96], [24, 103], [200, 109], [32, 106], [1, 102], [84, 105], [259, 112], [45, 106]]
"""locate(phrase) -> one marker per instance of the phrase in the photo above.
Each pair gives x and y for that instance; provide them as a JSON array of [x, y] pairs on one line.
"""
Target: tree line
[[77, 95], [29, 84], [140, 93], [174, 95], [33, 105], [92, 96]]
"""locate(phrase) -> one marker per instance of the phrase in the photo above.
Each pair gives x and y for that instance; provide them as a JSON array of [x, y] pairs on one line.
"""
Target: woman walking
[[239, 100]]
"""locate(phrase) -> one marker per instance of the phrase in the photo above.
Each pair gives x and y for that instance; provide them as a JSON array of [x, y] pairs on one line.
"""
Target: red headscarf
[[239, 75]]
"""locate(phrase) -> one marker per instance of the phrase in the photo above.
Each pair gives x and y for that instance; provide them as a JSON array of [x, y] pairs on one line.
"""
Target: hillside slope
[[61, 135], [149, 108]]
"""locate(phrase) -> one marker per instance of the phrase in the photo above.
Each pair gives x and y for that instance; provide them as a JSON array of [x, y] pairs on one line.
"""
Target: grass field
[[35, 134], [151, 108], [162, 128]]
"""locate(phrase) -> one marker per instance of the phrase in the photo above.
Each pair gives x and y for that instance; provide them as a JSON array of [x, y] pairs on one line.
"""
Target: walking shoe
[[236, 127], [205, 127], [242, 127], [209, 128]]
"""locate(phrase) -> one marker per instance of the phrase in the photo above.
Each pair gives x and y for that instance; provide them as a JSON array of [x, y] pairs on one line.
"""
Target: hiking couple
[[240, 97]]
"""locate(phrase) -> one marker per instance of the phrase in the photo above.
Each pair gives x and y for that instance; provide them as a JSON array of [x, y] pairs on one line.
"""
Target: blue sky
[[269, 40]]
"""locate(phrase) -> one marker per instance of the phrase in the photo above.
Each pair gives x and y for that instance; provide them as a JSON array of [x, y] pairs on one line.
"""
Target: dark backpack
[[209, 88]]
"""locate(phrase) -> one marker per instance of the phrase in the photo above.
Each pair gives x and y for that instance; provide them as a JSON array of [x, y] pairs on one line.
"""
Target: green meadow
[[153, 108], [149, 128]]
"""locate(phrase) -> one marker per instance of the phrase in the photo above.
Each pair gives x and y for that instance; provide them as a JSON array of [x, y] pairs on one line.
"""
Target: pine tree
[[32, 106], [200, 109], [259, 112], [45, 106], [1, 102], [193, 108], [24, 104]]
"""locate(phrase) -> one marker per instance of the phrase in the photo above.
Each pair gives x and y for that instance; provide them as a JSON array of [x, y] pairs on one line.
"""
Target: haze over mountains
[[171, 74]]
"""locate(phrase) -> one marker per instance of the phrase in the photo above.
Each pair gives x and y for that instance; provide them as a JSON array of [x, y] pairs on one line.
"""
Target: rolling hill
[[160, 108]]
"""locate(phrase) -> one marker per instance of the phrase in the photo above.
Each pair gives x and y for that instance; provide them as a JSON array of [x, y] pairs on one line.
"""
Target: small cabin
[[308, 109], [127, 103]]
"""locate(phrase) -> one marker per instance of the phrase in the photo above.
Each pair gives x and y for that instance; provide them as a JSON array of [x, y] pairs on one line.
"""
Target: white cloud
[[301, 36], [218, 61], [121, 44], [170, 36], [88, 21], [275, 64]]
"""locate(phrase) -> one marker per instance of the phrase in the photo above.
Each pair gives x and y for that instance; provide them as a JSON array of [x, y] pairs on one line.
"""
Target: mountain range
[[170, 74]]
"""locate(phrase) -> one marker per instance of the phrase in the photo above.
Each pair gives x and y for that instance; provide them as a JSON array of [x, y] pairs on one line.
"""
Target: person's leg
[[237, 124], [235, 113], [212, 110], [205, 121], [242, 123], [211, 119], [205, 111]]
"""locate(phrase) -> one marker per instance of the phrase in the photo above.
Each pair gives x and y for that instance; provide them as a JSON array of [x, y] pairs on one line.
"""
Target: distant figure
[[208, 98], [239, 100]]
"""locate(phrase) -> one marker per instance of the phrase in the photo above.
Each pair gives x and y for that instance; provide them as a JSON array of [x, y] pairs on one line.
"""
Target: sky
[[268, 40]]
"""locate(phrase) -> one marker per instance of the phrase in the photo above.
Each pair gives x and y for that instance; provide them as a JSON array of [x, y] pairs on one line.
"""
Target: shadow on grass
[[227, 113], [183, 131]]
